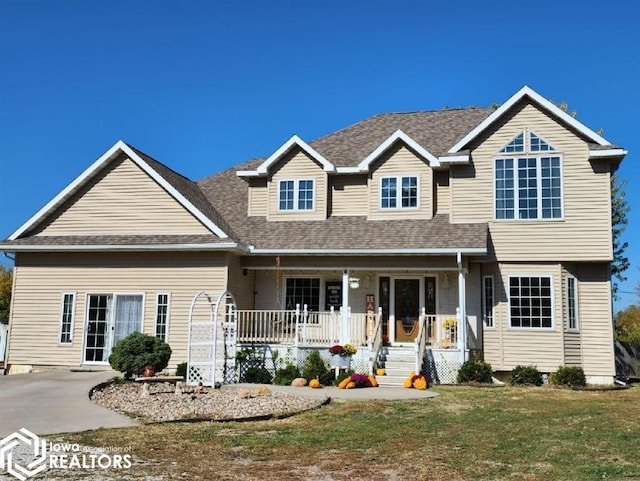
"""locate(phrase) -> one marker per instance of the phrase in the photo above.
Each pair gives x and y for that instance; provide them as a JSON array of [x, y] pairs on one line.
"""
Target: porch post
[[462, 309], [344, 322]]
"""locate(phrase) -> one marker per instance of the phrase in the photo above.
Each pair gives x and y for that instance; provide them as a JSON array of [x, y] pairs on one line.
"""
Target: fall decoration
[[357, 380], [416, 381], [314, 384]]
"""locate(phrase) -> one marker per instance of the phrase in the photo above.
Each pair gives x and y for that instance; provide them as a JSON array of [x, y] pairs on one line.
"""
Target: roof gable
[[174, 184], [528, 92], [397, 136], [263, 169]]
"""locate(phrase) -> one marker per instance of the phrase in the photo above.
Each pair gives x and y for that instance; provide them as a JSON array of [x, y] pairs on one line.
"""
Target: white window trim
[[398, 206], [493, 302], [568, 328], [296, 195], [553, 303], [516, 198], [155, 318], [73, 317], [111, 320]]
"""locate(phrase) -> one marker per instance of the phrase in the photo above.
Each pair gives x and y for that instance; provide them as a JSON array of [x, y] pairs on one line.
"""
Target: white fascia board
[[348, 170], [248, 173], [295, 140], [107, 247], [177, 195], [455, 159], [542, 102], [595, 154], [88, 172], [382, 148], [416, 251], [118, 147]]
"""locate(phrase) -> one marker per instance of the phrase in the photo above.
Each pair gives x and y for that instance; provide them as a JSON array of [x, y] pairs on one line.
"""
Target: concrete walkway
[[54, 401]]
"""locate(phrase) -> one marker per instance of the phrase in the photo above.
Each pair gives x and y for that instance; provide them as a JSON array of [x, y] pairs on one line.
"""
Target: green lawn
[[463, 434]]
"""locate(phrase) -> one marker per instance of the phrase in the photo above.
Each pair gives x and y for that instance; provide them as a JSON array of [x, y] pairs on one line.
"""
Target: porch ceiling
[[377, 263]]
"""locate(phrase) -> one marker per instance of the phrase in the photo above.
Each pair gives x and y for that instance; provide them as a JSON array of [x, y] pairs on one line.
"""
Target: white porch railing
[[299, 327]]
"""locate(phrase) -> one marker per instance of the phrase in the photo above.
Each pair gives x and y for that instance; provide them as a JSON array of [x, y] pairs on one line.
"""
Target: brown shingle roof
[[437, 131], [188, 189], [112, 240]]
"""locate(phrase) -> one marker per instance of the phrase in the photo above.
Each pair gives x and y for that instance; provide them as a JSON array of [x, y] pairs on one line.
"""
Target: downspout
[[462, 309]]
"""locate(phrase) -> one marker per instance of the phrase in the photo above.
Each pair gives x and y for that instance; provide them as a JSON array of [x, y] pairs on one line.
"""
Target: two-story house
[[397, 230]]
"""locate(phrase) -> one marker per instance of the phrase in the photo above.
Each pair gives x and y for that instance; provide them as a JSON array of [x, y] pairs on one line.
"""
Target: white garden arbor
[[213, 328]]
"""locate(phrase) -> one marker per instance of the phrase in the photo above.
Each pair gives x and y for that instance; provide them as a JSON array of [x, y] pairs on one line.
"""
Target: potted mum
[[341, 355]]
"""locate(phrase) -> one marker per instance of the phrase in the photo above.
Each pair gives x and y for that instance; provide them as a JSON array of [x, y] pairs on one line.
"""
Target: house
[[402, 227]]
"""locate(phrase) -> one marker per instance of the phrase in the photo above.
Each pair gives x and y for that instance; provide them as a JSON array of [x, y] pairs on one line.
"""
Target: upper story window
[[528, 186], [296, 194], [399, 192]]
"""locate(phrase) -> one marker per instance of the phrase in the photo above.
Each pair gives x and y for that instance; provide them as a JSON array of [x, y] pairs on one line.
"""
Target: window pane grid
[[303, 291], [162, 312], [286, 195], [551, 187], [488, 298], [516, 145], [388, 195], [409, 192], [305, 195], [530, 302], [572, 304], [527, 189], [67, 318], [504, 189]]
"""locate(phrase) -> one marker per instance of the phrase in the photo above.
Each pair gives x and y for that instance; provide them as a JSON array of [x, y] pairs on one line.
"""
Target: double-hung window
[[528, 179], [531, 302], [296, 194], [399, 192]]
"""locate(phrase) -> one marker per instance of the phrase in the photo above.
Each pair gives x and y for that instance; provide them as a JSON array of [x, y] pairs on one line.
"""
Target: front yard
[[463, 434]]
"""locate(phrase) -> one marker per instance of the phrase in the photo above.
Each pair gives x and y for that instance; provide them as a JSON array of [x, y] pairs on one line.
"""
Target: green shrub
[[526, 375], [568, 377], [317, 368], [181, 370], [475, 370], [285, 375], [131, 354], [256, 375]]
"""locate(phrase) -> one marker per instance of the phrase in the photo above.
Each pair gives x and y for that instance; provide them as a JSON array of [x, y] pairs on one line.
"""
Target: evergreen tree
[[6, 283]]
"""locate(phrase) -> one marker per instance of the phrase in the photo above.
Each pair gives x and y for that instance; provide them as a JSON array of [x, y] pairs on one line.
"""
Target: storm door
[[407, 309]]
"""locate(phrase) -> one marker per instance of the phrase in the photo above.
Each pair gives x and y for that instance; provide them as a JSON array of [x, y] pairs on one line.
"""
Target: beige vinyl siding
[[507, 347], [572, 350], [583, 234], [401, 161], [297, 165], [241, 282], [122, 200], [349, 195], [258, 197], [595, 322], [442, 192], [42, 278]]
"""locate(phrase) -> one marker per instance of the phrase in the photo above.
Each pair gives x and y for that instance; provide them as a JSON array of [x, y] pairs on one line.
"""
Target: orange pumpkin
[[351, 385], [344, 382], [407, 382], [315, 384], [373, 381]]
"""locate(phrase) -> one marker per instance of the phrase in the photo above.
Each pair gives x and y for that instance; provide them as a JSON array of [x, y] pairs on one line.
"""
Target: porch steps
[[398, 363]]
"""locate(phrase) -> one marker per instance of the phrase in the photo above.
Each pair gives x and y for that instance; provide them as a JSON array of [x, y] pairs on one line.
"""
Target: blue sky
[[204, 85]]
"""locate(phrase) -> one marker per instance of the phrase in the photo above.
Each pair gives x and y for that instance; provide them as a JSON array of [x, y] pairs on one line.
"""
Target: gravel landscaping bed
[[228, 403]]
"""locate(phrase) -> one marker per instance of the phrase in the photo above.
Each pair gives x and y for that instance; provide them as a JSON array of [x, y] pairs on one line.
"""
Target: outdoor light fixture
[[354, 282]]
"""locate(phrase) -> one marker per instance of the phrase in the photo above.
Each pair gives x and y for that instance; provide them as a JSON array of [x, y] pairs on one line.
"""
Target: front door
[[407, 308]]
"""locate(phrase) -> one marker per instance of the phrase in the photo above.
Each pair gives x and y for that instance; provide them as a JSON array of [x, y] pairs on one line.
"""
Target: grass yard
[[463, 434]]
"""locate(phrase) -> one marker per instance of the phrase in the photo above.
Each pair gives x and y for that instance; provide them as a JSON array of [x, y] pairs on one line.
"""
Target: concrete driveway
[[51, 402]]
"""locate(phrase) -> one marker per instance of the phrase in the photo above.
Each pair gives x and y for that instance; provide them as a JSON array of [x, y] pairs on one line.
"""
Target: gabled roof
[[541, 102], [182, 189], [294, 141], [397, 136]]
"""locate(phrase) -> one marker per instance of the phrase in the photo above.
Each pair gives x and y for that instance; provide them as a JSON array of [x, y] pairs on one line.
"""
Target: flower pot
[[340, 361]]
